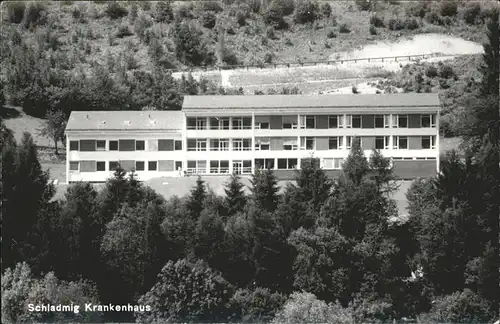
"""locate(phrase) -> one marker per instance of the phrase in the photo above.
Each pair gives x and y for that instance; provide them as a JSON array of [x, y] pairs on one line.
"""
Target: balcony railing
[[195, 171], [223, 170]]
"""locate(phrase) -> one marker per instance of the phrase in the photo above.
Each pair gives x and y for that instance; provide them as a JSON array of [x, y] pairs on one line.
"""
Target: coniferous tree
[[313, 185], [382, 172], [235, 195], [356, 166], [265, 189], [196, 199]]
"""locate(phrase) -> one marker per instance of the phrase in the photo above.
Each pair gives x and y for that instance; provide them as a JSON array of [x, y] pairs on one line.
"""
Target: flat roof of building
[[125, 120], [312, 101]]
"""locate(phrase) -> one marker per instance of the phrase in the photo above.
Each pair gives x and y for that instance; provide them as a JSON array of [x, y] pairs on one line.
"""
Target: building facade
[[215, 135]]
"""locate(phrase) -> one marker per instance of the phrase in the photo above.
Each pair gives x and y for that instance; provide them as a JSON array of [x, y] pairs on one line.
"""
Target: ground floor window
[[178, 165], [113, 165], [287, 164], [139, 165], [242, 167], [218, 167], [196, 167], [333, 163], [264, 163], [152, 165], [101, 166]]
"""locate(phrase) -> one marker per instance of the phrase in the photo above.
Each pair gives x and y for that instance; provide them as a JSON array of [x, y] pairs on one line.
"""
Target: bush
[[15, 11], [471, 12], [287, 6], [373, 30], [344, 29], [288, 42], [395, 24], [326, 10], [448, 8], [185, 11], [274, 16], [164, 12], [306, 308], [417, 9], [434, 18], [377, 21], [306, 11], [35, 15], [354, 90], [460, 307], [255, 6], [331, 34], [411, 24], [373, 311], [363, 5], [114, 10], [446, 71], [270, 33], [208, 19], [134, 12], [241, 18], [431, 72], [268, 58], [258, 305], [123, 31]]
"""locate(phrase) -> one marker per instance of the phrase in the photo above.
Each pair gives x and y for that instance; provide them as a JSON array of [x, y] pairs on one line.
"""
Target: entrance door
[[238, 167]]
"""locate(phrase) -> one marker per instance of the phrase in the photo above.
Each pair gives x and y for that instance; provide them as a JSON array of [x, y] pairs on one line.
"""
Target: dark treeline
[[321, 250]]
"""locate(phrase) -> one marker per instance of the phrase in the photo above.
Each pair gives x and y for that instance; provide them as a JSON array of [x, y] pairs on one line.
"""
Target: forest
[[321, 250]]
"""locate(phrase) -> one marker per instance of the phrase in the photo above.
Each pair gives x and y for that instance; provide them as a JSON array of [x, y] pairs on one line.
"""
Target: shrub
[[274, 16], [431, 72], [344, 29], [76, 13], [208, 19], [354, 89], [448, 8], [15, 11], [471, 12], [34, 15], [287, 6], [434, 18], [373, 30], [258, 305], [268, 58], [326, 10], [417, 9], [141, 25], [255, 6], [123, 31], [395, 24], [331, 34], [306, 308], [114, 10], [377, 21], [164, 12], [145, 5], [288, 42], [411, 24], [270, 33], [184, 11], [363, 5], [213, 6], [241, 18], [461, 307], [446, 71], [134, 12], [373, 311], [306, 11]]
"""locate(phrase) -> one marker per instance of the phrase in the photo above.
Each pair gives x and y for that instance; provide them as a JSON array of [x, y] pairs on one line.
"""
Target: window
[[428, 121], [100, 166], [113, 165], [219, 144], [113, 145], [219, 123], [350, 141], [262, 144], [178, 165], [73, 145], [333, 122], [428, 142], [264, 163], [262, 125], [400, 142], [196, 167], [152, 165], [356, 121], [139, 165], [382, 142], [287, 164], [335, 143], [178, 145], [333, 163], [74, 166], [197, 123], [197, 144], [381, 121], [237, 123], [100, 145], [219, 166], [308, 122], [140, 145], [242, 144], [400, 121], [290, 145], [307, 143], [191, 123], [247, 122]]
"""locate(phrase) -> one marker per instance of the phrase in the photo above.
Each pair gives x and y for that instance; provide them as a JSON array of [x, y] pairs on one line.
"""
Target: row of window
[[219, 144], [99, 166], [124, 145], [309, 122]]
